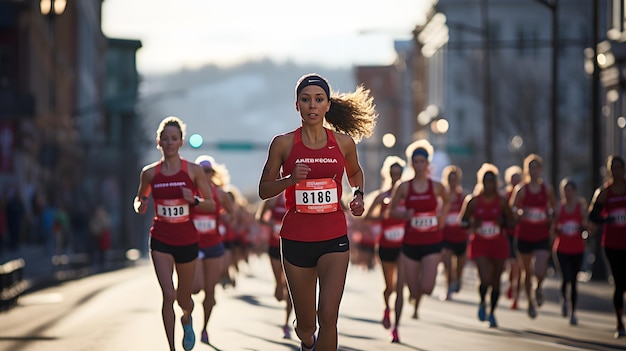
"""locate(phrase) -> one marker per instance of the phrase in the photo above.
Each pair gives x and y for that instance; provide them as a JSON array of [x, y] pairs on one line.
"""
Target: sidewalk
[[42, 269]]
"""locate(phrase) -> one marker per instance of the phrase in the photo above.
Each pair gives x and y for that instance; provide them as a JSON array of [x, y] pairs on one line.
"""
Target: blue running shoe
[[189, 337], [482, 312], [492, 321]]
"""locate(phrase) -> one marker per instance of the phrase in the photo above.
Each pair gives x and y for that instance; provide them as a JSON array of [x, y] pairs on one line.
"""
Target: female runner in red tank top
[[314, 241], [424, 219], [533, 202], [211, 248], [391, 229], [608, 207], [512, 177], [569, 245], [487, 214], [271, 214], [453, 254], [173, 181]]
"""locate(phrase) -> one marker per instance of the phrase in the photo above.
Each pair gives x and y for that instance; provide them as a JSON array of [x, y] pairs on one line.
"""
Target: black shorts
[[417, 252], [526, 247], [211, 252], [306, 254], [274, 252], [388, 254], [181, 254], [459, 249]]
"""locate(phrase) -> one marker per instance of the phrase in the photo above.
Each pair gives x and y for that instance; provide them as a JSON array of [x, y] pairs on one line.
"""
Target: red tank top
[[172, 223], [277, 214], [533, 225], [207, 223], [327, 168], [569, 238], [422, 228], [488, 215], [614, 233], [453, 232], [392, 229]]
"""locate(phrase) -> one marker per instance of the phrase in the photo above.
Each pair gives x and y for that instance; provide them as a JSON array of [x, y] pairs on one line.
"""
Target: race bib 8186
[[317, 196]]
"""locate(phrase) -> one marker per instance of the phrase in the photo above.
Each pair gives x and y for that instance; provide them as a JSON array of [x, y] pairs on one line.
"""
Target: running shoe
[[532, 312], [286, 332], [205, 337], [394, 336], [564, 308], [619, 333], [312, 348], [514, 305], [453, 288], [539, 297], [492, 321], [573, 320], [189, 338], [482, 312], [386, 319], [457, 286], [509, 293]]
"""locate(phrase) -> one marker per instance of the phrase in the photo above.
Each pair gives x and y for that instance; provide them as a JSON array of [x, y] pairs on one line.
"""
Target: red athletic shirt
[[488, 238], [325, 163], [422, 229], [614, 233], [172, 223], [207, 223], [569, 238], [453, 232], [392, 232], [277, 214], [533, 225]]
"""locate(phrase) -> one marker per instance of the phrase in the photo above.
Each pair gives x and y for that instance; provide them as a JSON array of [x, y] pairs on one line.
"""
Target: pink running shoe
[[394, 335], [386, 319]]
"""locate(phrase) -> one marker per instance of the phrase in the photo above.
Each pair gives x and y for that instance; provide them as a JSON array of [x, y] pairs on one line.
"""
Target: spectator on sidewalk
[[100, 227]]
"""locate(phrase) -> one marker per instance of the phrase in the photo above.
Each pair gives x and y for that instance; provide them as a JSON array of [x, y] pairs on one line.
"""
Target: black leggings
[[617, 261], [570, 265]]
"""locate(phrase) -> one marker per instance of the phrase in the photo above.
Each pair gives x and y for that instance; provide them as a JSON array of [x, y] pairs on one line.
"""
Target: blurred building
[[60, 127], [396, 89], [490, 78], [610, 61]]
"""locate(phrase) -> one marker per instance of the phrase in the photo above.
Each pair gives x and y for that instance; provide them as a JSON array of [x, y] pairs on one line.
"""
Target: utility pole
[[553, 5], [488, 120]]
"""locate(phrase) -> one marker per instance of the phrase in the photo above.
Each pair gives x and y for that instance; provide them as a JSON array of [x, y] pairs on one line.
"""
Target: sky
[[191, 33]]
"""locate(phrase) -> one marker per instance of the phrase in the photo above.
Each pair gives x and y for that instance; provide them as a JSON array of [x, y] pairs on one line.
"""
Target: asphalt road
[[120, 310]]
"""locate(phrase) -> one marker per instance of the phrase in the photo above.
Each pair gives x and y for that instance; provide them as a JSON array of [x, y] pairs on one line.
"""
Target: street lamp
[[52, 7]]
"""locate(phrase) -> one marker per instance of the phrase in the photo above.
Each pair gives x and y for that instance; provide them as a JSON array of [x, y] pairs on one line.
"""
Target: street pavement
[[121, 309]]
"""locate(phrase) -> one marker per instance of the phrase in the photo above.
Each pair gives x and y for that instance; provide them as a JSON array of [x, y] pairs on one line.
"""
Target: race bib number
[[619, 217], [535, 214], [424, 222], [488, 229], [172, 210], [317, 196], [205, 224], [394, 233], [453, 219], [570, 228]]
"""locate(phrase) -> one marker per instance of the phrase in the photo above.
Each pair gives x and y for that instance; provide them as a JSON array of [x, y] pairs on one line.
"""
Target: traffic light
[[195, 141]]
